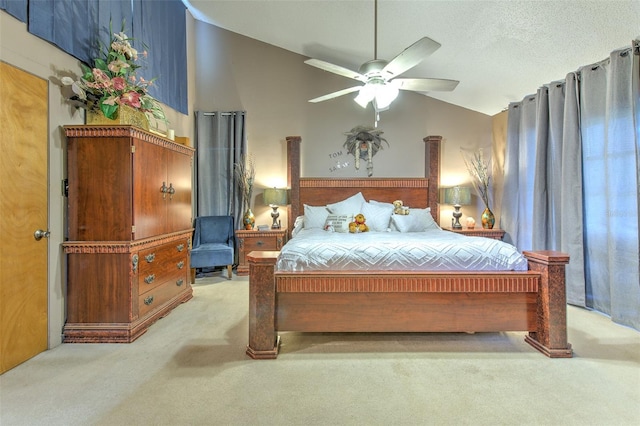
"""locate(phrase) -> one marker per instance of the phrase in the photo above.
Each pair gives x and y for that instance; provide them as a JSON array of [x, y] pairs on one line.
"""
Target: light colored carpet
[[190, 368]]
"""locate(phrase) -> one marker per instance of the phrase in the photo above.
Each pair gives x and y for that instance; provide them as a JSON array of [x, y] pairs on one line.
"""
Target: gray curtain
[[571, 181], [221, 141]]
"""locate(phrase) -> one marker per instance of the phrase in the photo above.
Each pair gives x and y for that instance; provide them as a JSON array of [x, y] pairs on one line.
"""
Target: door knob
[[39, 234]]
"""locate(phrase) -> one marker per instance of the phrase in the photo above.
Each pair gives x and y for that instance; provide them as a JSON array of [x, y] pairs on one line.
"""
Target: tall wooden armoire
[[129, 231]]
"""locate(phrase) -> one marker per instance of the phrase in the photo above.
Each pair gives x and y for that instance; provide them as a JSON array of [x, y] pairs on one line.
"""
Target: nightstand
[[494, 233], [248, 241]]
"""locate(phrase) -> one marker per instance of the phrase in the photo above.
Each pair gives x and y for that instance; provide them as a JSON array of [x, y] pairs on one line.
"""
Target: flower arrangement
[[479, 170], [245, 174], [112, 82]]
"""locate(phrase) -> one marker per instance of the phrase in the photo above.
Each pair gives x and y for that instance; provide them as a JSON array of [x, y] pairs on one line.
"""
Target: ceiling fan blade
[[336, 69], [412, 56], [336, 94], [425, 84]]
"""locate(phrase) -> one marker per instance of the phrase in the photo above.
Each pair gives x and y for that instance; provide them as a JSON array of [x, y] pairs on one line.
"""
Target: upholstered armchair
[[213, 243]]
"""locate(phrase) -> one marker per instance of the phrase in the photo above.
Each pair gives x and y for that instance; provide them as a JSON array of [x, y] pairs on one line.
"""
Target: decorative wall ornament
[[363, 142]]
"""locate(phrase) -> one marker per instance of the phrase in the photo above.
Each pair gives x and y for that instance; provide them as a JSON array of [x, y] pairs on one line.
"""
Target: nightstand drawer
[[267, 242]]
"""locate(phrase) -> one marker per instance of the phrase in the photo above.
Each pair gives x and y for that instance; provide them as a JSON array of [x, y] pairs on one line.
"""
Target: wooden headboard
[[419, 192]]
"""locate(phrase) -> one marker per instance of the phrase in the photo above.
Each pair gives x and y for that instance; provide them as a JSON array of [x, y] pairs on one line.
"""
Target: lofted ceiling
[[499, 50]]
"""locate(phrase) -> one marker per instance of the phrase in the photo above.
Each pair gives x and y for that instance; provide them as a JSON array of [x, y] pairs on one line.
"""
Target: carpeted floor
[[190, 368]]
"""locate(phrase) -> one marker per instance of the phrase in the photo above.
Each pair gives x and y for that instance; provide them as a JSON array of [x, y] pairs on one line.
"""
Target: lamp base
[[457, 214], [274, 215]]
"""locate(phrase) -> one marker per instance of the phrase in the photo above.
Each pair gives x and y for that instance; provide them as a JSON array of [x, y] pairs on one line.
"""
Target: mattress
[[432, 250]]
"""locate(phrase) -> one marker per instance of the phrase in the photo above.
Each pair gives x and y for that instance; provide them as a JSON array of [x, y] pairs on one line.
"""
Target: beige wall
[[273, 86], [231, 72]]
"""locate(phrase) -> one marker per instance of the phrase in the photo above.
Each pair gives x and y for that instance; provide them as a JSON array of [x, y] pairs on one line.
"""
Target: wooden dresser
[[129, 231]]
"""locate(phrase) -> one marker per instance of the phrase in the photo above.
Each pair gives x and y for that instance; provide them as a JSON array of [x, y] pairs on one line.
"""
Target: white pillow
[[315, 216], [418, 220], [380, 203], [338, 222], [377, 216], [297, 226], [350, 205]]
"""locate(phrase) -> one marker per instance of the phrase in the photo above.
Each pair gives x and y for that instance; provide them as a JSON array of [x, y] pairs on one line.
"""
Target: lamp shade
[[275, 196], [456, 195]]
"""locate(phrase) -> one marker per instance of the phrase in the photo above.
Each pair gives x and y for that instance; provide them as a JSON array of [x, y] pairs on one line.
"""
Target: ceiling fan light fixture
[[380, 92], [385, 95], [366, 95]]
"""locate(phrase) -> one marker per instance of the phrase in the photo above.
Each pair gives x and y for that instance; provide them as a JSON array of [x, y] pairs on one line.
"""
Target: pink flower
[[116, 66], [99, 76], [131, 98], [119, 83]]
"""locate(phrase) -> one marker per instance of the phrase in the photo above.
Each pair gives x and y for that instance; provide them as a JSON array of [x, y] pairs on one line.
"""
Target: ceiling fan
[[381, 85]]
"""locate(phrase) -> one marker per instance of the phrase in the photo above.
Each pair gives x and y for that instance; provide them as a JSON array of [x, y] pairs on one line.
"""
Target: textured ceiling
[[500, 51]]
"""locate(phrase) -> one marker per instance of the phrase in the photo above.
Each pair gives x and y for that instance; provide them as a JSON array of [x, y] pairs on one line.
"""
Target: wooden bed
[[532, 301]]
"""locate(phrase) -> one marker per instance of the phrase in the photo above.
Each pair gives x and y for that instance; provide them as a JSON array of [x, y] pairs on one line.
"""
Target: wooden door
[[179, 214], [149, 201], [23, 210]]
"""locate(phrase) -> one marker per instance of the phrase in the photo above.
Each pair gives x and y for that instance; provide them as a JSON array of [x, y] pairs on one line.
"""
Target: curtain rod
[[224, 113]]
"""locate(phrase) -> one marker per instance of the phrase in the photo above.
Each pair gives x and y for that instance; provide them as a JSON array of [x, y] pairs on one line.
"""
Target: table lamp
[[275, 197], [457, 196]]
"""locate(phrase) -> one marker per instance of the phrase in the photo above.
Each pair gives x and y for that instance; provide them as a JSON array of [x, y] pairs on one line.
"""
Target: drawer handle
[[180, 247], [149, 278], [259, 243], [179, 282], [148, 300], [181, 264], [150, 257]]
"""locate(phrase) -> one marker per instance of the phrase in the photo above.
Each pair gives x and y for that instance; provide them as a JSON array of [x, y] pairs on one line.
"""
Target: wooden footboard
[[532, 301]]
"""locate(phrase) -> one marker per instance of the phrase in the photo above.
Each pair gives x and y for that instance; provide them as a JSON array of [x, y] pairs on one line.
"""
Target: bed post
[[432, 172], [263, 340], [551, 335], [293, 180]]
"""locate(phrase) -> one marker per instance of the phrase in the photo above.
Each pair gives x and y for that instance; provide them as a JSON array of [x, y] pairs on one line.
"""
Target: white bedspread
[[434, 250]]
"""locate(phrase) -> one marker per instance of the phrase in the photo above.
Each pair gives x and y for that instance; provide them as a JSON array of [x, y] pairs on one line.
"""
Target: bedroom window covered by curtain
[[572, 169], [221, 141]]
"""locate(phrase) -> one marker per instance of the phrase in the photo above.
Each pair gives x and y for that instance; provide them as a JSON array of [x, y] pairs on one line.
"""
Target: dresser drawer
[[161, 256], [152, 281], [160, 295]]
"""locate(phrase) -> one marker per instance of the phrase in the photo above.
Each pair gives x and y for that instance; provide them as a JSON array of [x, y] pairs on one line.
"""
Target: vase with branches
[[480, 172], [245, 174]]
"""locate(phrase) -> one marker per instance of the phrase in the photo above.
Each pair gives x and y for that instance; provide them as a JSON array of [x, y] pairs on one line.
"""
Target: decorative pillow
[[315, 216], [378, 216], [350, 205], [338, 222], [418, 220]]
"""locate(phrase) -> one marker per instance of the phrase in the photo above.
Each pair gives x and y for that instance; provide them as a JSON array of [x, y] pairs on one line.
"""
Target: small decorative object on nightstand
[[457, 197], [248, 241], [494, 233], [275, 197]]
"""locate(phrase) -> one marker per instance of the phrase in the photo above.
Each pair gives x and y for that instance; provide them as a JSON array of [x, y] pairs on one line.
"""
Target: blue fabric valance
[[78, 26]]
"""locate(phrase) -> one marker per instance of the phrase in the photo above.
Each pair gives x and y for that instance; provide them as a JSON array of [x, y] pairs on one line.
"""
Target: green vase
[[488, 219], [249, 220]]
